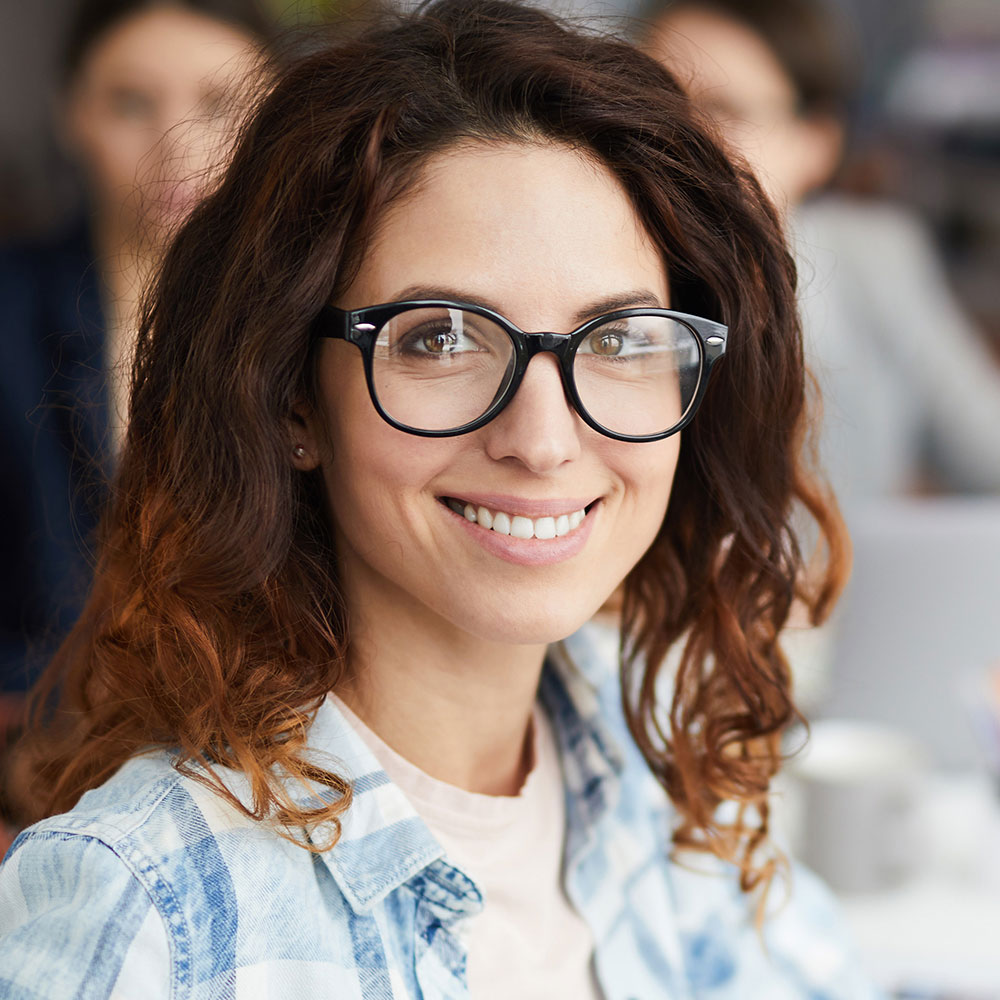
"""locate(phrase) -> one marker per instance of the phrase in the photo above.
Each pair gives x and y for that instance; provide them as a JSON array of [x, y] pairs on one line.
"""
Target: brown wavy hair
[[215, 626]]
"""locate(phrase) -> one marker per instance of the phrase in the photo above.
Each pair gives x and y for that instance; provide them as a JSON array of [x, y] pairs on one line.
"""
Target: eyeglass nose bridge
[[539, 343], [545, 343], [531, 345]]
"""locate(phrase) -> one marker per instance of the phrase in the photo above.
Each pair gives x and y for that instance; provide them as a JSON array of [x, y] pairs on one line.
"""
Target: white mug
[[857, 784]]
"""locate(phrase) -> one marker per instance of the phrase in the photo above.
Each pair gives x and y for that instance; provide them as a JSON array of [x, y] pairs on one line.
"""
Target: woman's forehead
[[523, 225]]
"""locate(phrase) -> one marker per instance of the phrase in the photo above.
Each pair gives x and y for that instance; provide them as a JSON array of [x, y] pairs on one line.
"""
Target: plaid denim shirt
[[153, 856]]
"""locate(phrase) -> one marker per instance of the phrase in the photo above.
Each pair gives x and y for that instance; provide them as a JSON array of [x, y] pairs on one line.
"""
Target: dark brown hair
[[215, 626]]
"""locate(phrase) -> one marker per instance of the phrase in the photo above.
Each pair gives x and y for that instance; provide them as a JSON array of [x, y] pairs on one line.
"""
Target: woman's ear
[[303, 437]]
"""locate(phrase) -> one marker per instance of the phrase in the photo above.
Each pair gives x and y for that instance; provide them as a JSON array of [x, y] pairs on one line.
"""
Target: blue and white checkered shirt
[[153, 886]]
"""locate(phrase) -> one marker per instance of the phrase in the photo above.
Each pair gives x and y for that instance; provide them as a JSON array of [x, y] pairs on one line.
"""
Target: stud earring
[[298, 451]]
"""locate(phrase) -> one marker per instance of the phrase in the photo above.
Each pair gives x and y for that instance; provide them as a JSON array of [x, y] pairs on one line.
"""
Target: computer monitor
[[921, 615]]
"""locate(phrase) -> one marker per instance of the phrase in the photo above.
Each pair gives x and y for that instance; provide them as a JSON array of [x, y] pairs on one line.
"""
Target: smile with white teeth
[[516, 525]]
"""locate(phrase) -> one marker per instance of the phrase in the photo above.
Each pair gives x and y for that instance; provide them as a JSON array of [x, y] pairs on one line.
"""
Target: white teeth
[[521, 527], [517, 525], [545, 527]]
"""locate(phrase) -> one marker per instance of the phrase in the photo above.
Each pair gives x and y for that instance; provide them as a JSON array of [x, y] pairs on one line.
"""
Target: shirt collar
[[580, 690], [384, 843]]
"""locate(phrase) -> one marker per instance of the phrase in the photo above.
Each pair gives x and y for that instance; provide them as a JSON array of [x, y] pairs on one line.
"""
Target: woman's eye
[[442, 342], [438, 341], [606, 343], [609, 344]]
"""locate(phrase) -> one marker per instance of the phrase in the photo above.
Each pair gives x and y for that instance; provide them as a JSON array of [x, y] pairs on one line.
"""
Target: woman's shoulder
[[118, 807], [50, 285], [160, 820], [77, 892], [149, 826], [156, 855]]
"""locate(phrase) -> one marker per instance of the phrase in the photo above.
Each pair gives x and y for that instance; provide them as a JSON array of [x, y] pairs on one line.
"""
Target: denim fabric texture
[[239, 912]]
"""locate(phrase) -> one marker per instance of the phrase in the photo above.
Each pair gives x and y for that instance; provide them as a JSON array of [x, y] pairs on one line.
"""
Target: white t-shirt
[[528, 942]]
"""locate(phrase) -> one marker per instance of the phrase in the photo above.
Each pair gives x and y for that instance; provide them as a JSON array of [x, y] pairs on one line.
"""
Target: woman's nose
[[539, 427]]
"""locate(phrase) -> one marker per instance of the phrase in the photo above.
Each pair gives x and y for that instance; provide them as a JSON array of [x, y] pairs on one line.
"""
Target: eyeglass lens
[[438, 368]]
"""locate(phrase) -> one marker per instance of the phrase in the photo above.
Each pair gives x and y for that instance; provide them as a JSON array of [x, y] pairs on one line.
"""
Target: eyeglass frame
[[361, 327]]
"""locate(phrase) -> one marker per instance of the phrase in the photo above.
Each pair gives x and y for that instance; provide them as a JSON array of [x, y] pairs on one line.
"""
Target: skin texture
[[730, 71], [447, 637]]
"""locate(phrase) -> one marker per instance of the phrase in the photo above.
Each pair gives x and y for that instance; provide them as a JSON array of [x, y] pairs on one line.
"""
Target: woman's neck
[[457, 707]]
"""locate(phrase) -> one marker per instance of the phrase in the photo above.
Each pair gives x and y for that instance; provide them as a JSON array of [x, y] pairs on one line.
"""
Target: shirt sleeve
[[76, 922]]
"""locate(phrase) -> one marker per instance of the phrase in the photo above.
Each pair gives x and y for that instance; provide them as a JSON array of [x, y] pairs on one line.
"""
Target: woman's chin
[[538, 626]]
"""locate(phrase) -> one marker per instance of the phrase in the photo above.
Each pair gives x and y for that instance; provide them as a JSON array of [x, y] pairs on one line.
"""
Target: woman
[[330, 739], [150, 92]]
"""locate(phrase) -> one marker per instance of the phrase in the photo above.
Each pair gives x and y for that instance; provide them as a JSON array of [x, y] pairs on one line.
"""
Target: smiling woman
[[404, 555], [440, 368]]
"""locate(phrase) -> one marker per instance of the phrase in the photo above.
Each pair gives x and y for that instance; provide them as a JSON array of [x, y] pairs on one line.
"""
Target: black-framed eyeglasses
[[438, 368]]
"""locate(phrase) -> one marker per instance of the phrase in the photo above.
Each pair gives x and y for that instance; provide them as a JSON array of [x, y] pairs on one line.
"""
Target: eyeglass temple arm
[[339, 324]]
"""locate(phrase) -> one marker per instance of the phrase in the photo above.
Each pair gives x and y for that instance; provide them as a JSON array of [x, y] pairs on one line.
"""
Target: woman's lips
[[555, 535]]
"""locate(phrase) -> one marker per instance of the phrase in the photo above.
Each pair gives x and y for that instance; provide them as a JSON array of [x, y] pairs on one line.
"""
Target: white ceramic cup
[[857, 784]]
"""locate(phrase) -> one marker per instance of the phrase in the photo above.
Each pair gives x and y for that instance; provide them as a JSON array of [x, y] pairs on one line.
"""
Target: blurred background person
[[150, 94], [911, 393]]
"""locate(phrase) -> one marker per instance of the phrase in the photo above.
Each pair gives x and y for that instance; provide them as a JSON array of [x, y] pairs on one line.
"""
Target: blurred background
[[874, 125]]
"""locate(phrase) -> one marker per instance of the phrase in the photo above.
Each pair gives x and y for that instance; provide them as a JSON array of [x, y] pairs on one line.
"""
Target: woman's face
[[548, 239], [151, 108]]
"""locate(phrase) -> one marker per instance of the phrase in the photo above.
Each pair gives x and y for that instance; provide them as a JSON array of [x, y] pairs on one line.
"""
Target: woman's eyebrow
[[444, 292], [632, 299]]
